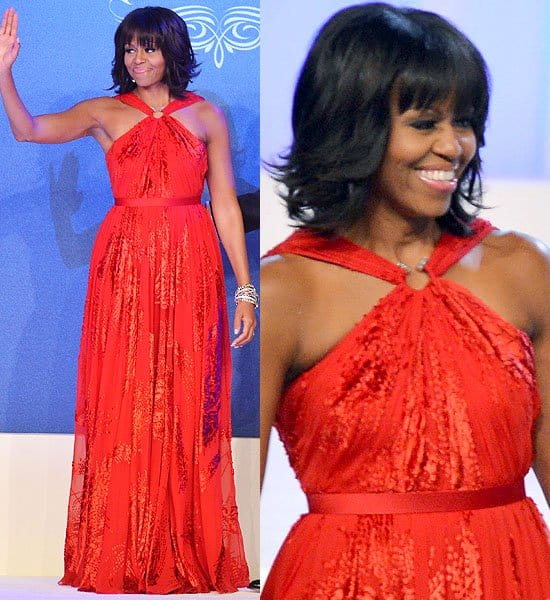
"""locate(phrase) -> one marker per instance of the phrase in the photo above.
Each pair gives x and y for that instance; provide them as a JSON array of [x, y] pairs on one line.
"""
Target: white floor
[[46, 588], [35, 474]]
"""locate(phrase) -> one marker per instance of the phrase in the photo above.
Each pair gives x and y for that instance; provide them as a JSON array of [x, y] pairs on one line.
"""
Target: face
[[427, 152], [145, 64]]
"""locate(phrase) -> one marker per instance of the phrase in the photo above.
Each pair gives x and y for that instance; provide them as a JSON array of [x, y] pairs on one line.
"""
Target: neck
[[396, 238], [157, 96]]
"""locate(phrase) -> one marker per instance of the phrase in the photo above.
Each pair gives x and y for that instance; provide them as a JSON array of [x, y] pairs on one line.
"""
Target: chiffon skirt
[[152, 501]]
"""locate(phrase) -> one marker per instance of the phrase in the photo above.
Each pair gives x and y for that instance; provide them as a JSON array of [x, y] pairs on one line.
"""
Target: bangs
[[143, 38], [147, 31], [437, 75]]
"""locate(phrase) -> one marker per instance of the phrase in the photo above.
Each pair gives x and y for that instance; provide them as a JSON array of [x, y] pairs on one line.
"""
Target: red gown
[[152, 500], [431, 391]]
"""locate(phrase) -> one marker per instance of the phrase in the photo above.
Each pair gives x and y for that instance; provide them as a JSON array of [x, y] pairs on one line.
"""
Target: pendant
[[419, 266], [158, 114]]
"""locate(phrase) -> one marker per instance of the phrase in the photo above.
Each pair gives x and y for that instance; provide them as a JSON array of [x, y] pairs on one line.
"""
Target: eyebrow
[[414, 113]]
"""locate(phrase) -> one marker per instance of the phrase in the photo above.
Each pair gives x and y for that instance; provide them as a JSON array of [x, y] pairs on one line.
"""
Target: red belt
[[181, 201], [415, 502]]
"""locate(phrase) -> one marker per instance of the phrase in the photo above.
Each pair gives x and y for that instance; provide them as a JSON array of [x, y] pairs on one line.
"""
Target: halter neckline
[[132, 99], [448, 250]]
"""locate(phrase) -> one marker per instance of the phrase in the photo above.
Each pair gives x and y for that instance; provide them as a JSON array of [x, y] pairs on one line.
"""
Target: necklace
[[157, 112], [420, 265]]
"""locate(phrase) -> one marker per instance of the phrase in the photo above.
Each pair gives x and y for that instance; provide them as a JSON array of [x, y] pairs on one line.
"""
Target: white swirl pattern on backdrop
[[238, 28]]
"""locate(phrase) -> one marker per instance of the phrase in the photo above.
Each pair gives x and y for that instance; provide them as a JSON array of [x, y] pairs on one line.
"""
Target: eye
[[150, 49], [129, 50], [424, 124]]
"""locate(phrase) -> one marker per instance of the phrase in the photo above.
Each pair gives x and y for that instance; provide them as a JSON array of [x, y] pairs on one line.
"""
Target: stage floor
[[46, 588]]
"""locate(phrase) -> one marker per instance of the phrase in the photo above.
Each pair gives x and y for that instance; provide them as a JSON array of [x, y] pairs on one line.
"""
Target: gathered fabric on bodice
[[430, 391], [152, 503], [158, 157]]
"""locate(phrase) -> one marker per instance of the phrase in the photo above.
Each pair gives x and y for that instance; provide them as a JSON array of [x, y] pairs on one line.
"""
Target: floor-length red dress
[[410, 439], [152, 500]]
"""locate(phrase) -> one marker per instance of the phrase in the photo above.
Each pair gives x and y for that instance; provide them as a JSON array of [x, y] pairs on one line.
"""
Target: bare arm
[[542, 432], [227, 213], [528, 274], [540, 298], [54, 128], [281, 294]]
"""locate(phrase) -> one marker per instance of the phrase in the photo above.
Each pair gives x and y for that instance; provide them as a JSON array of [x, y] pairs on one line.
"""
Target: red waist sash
[[415, 502], [181, 201]]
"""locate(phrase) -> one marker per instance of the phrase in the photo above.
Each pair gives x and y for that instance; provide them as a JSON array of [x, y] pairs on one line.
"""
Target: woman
[[152, 503], [401, 333]]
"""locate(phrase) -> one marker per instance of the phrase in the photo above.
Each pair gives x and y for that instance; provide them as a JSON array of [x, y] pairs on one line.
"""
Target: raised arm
[[53, 128], [227, 213]]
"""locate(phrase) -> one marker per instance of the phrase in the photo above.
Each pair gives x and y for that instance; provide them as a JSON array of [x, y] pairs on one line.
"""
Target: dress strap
[[136, 102], [451, 248], [341, 251], [177, 103]]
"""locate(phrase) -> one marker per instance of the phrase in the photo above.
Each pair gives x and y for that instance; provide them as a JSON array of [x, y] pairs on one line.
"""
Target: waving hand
[[9, 42]]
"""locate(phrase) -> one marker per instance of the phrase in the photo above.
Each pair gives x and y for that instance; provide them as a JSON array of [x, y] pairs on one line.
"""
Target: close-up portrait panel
[[405, 350]]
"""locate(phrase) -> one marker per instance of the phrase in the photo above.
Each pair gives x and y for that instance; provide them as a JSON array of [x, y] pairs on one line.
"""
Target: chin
[[438, 209]]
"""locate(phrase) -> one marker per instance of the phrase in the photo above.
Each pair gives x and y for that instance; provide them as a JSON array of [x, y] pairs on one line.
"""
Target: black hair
[[341, 110], [161, 28]]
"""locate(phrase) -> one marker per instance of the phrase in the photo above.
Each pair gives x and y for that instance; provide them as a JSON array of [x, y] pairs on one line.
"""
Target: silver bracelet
[[247, 293]]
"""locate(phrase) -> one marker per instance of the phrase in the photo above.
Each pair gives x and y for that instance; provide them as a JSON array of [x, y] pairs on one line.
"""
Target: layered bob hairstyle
[[161, 28], [362, 58]]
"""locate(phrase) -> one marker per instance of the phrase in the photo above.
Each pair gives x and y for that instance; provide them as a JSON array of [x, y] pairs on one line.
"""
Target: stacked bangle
[[247, 293]]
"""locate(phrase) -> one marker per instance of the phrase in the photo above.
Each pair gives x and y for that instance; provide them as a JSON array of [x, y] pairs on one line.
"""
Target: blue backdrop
[[46, 237]]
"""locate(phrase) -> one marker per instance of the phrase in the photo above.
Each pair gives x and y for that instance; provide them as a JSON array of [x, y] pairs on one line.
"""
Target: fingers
[[245, 322], [14, 24], [243, 339], [9, 23], [246, 334], [5, 19]]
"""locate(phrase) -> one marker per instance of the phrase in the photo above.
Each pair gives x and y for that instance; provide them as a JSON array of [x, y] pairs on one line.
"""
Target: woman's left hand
[[243, 324]]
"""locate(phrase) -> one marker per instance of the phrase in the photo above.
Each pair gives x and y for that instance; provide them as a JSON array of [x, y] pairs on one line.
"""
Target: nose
[[139, 56], [448, 142]]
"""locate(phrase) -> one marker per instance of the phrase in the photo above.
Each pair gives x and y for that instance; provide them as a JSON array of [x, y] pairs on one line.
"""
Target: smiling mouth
[[429, 175], [439, 181]]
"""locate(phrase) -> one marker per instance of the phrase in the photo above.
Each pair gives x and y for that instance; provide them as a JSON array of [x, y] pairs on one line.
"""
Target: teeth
[[439, 175]]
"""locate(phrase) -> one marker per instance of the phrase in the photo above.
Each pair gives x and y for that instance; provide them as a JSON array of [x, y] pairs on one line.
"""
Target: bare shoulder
[[205, 120], [284, 298], [523, 264], [209, 110], [524, 255], [101, 109], [285, 281], [211, 117], [99, 104], [285, 292]]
